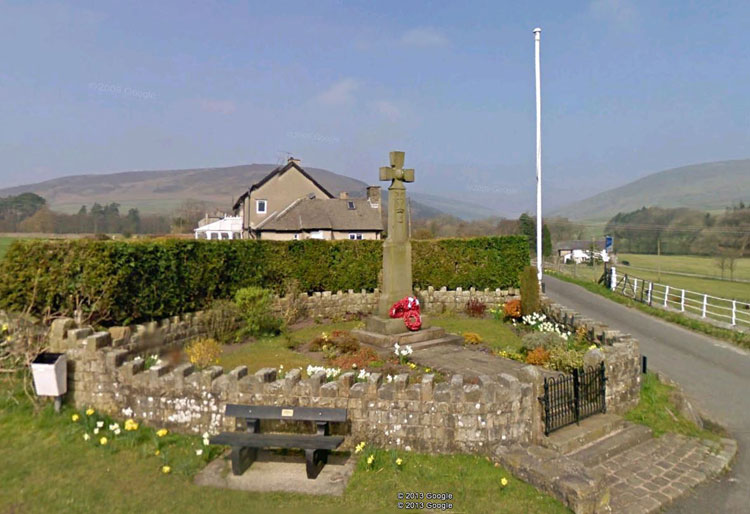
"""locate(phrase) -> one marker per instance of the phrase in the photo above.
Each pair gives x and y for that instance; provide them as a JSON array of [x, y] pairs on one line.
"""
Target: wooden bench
[[247, 440]]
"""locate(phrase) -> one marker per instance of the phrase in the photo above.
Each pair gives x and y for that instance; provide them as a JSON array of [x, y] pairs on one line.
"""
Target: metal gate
[[570, 398]]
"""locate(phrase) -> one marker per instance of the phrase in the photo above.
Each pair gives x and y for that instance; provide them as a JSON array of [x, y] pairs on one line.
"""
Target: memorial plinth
[[380, 329]]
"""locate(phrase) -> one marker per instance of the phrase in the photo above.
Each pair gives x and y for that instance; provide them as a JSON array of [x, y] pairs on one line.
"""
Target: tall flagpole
[[539, 257]]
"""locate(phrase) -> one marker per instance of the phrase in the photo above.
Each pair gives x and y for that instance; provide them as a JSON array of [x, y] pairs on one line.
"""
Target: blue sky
[[628, 87]]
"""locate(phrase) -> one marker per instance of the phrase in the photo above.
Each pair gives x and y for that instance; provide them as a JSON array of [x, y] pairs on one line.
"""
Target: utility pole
[[537, 68], [658, 258]]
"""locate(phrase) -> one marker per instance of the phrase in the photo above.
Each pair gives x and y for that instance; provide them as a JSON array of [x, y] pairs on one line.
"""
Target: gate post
[[577, 395], [613, 277], [603, 381]]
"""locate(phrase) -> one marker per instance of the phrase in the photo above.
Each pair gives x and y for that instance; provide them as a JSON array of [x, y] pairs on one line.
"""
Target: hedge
[[117, 282]]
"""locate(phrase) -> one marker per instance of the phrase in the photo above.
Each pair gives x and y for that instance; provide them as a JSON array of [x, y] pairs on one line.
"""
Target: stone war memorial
[[381, 329]]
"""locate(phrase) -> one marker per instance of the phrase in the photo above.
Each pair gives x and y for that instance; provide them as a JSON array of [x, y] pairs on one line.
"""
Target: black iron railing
[[570, 398]]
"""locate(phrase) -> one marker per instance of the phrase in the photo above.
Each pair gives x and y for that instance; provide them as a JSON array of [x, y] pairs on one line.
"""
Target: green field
[[645, 267]]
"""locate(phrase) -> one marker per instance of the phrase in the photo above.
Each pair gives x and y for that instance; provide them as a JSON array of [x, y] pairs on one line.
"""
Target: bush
[[255, 304], [512, 309], [475, 308], [546, 340], [124, 282], [538, 357], [221, 321], [294, 306], [472, 338], [355, 361], [339, 342], [203, 353], [563, 359], [529, 291]]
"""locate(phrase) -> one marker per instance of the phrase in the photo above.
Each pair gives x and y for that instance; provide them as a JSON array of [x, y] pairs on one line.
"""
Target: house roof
[[580, 244], [324, 214], [227, 224], [278, 171]]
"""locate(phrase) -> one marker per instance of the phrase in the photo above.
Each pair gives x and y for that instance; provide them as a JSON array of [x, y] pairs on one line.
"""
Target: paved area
[[654, 473], [467, 361], [716, 375], [275, 472]]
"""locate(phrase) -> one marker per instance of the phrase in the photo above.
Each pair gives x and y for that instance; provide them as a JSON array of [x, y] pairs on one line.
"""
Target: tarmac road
[[714, 374]]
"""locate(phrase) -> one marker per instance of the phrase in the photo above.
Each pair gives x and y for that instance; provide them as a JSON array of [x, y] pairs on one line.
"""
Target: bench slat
[[292, 413], [302, 441]]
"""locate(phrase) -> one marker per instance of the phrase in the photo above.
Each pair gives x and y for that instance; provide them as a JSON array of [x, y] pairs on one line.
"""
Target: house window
[[261, 206], [350, 205], [355, 236], [318, 234], [296, 236]]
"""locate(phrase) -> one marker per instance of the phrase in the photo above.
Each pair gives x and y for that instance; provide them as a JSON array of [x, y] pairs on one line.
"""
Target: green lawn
[[50, 468], [694, 264], [274, 351]]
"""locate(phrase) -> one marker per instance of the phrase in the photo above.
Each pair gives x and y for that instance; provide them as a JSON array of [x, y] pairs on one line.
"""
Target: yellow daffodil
[[399, 461], [162, 432], [75, 417], [504, 481], [166, 470], [103, 441], [130, 425], [359, 447], [157, 453], [5, 327], [90, 411], [370, 459], [592, 347]]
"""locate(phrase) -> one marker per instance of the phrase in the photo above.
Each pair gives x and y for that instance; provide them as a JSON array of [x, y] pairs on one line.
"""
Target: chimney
[[295, 161], [343, 195], [373, 196]]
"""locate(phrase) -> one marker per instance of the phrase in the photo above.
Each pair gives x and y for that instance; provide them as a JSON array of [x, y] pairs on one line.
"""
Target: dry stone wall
[[450, 416], [336, 305]]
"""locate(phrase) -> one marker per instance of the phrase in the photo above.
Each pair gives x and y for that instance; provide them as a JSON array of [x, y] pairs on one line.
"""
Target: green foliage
[[527, 226], [546, 340], [529, 291], [546, 241], [121, 282], [221, 321], [563, 359], [15, 209], [254, 305]]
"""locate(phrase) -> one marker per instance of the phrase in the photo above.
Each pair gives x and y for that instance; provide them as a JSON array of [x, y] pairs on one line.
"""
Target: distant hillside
[[162, 191], [709, 186]]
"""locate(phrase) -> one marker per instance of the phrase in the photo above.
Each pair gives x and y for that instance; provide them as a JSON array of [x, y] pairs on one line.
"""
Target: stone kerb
[[621, 354], [443, 417]]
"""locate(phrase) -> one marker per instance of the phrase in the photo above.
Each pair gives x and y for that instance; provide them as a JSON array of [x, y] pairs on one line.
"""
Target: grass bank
[[732, 336]]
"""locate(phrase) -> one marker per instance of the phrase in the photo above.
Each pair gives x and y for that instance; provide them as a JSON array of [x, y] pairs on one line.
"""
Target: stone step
[[611, 445], [388, 340], [449, 339], [573, 437]]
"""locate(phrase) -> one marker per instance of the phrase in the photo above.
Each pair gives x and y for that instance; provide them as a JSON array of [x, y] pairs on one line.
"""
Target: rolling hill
[[162, 191], [709, 186]]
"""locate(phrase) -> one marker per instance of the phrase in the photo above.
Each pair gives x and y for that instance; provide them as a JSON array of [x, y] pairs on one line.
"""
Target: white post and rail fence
[[726, 311]]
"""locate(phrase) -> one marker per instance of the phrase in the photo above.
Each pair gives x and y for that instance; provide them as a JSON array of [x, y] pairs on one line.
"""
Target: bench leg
[[315, 460], [242, 458]]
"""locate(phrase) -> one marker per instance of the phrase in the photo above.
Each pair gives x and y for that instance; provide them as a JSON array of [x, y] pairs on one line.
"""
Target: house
[[228, 227], [290, 204], [579, 250]]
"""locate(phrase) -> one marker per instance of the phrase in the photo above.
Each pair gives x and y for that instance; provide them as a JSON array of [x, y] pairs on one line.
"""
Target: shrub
[[254, 304], [339, 342], [124, 282], [294, 306], [546, 340], [538, 356], [472, 338], [563, 359], [221, 321], [512, 309], [203, 353], [529, 291], [475, 308]]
